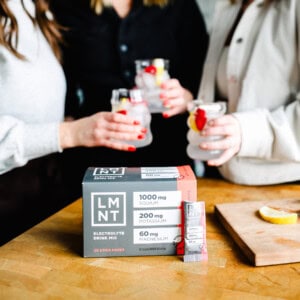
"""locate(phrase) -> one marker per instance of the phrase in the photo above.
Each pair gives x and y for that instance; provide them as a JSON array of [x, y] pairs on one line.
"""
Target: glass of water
[[133, 103], [200, 113], [150, 74]]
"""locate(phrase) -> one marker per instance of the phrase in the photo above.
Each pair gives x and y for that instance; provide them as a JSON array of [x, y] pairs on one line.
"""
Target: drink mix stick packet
[[195, 248]]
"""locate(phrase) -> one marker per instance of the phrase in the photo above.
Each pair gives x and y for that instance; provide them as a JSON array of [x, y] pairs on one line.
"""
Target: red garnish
[[150, 69], [200, 118], [122, 111]]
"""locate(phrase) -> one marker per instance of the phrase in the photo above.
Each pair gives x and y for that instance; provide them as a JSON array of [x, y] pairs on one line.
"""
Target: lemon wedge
[[192, 122], [277, 216]]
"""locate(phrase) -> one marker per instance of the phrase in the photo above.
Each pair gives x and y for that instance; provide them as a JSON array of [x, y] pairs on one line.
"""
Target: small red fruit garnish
[[150, 69], [122, 111], [200, 118]]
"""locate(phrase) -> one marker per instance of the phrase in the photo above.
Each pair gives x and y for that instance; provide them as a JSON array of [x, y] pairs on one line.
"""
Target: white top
[[32, 94], [263, 84]]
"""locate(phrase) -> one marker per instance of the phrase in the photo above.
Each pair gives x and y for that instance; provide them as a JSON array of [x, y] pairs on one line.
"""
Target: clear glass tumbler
[[150, 74], [200, 113], [132, 101]]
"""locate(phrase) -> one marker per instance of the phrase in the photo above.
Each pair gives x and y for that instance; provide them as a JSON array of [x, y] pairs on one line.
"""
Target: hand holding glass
[[132, 102], [200, 114]]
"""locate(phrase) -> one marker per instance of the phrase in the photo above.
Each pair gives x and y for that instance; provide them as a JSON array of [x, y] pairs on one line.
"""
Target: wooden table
[[46, 262]]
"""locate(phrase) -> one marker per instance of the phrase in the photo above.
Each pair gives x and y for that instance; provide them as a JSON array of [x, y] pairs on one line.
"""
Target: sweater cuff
[[41, 140], [256, 134]]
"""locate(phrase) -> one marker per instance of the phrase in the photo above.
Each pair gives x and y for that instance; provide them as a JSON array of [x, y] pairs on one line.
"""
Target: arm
[[21, 142], [266, 125], [101, 129]]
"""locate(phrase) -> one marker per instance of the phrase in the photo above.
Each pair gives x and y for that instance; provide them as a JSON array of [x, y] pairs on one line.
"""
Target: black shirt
[[99, 56]]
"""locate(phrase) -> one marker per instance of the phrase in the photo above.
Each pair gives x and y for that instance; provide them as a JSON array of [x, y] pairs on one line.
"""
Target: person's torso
[[102, 48], [261, 68], [33, 89]]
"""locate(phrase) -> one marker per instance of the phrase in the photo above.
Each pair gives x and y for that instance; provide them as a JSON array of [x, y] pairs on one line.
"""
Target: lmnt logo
[[108, 171], [108, 209]]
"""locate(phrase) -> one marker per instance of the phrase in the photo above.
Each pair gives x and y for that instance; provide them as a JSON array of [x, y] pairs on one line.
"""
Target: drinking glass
[[200, 113], [132, 101], [150, 74]]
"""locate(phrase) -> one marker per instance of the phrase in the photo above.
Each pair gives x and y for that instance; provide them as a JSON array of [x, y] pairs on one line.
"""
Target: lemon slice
[[192, 122], [277, 216]]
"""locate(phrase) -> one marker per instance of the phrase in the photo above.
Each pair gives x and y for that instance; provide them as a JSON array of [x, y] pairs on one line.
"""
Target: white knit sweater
[[32, 95]]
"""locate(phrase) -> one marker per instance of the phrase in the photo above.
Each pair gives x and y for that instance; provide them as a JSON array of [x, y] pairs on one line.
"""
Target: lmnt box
[[135, 211]]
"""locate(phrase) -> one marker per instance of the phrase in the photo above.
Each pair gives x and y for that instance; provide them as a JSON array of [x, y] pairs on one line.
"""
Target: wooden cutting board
[[262, 242]]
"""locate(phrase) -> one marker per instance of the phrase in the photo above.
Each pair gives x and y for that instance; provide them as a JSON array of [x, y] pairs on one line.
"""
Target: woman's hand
[[174, 97], [105, 129], [229, 127]]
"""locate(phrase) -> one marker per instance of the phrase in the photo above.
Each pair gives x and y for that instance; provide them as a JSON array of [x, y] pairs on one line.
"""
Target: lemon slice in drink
[[277, 216], [192, 122]]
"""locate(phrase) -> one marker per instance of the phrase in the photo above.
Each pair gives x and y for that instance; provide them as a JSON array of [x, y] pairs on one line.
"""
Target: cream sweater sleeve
[[32, 95]]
